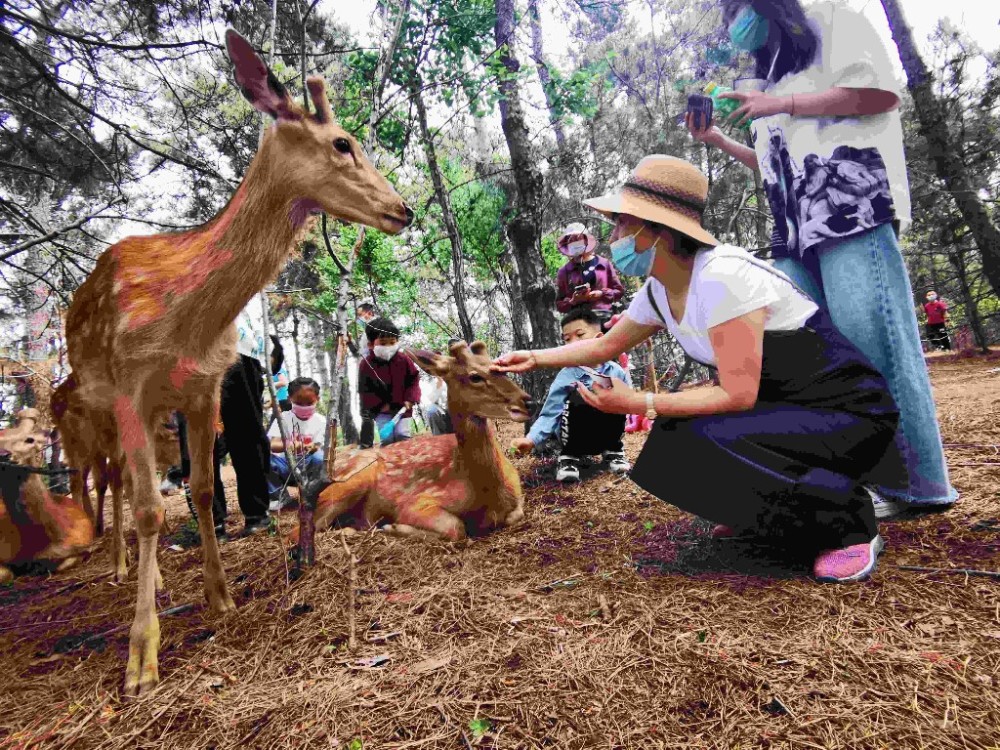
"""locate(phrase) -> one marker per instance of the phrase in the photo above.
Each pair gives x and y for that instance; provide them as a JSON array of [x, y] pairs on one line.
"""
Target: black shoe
[[257, 526], [220, 533]]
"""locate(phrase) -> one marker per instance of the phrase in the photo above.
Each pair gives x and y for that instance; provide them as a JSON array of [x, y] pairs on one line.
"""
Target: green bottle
[[724, 107]]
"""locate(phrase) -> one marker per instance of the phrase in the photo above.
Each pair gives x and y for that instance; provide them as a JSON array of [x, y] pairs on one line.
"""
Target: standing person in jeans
[[587, 279], [242, 413], [937, 315], [829, 147]]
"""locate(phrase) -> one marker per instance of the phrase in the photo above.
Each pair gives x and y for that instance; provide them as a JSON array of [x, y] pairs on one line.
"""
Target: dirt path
[[608, 620]]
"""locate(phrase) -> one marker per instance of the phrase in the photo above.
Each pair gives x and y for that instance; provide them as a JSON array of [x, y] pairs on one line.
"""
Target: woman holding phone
[[587, 279], [781, 446], [829, 146]]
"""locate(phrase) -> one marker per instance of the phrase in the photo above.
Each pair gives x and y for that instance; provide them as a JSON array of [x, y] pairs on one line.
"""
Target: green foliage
[[479, 727], [554, 260]]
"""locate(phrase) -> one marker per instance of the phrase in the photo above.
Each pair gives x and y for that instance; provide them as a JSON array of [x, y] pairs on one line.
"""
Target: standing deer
[[151, 329], [442, 485], [34, 523]]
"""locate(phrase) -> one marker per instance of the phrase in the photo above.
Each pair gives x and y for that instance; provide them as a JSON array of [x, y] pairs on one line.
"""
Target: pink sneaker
[[854, 563]]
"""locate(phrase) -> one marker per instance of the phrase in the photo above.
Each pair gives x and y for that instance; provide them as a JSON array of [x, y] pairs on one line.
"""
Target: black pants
[[585, 431], [937, 335], [790, 472], [244, 439]]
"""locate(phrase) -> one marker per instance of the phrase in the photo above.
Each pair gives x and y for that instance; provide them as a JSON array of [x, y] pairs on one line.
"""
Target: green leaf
[[356, 744], [648, 525], [702, 636], [479, 727]]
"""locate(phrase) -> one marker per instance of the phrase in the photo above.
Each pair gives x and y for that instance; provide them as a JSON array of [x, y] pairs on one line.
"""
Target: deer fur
[[45, 527], [446, 486], [151, 329]]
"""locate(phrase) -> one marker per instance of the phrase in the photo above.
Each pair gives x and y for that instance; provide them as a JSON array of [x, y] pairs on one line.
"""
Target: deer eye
[[342, 145], [476, 378], [29, 440]]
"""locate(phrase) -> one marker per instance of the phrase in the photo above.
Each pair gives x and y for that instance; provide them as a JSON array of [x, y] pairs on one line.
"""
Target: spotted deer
[[35, 525], [152, 328], [445, 486]]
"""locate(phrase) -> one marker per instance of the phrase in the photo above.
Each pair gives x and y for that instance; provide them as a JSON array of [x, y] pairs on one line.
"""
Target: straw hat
[[665, 190], [574, 230]]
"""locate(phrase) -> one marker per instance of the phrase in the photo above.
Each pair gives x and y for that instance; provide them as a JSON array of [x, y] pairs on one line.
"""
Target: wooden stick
[[352, 582], [964, 571]]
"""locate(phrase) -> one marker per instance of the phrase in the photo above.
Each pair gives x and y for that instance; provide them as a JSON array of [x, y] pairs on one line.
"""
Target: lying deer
[[35, 525], [152, 328], [444, 485], [89, 440]]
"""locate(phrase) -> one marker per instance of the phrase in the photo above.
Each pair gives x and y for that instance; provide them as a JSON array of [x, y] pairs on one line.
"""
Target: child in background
[[387, 382], [306, 429], [582, 429]]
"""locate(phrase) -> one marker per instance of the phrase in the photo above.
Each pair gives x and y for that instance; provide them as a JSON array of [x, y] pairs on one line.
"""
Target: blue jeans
[[864, 286], [280, 472], [401, 431]]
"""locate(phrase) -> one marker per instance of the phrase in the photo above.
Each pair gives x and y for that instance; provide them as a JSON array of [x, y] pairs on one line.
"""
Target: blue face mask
[[750, 30], [628, 261]]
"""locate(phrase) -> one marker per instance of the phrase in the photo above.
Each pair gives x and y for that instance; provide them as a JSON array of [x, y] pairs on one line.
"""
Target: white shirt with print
[[314, 427], [249, 341], [832, 177], [726, 282]]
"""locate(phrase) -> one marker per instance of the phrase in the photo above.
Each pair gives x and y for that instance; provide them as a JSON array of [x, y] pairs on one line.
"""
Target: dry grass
[[607, 620]]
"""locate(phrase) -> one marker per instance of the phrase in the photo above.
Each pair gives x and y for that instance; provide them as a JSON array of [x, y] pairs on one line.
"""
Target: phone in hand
[[604, 380], [581, 289], [701, 109]]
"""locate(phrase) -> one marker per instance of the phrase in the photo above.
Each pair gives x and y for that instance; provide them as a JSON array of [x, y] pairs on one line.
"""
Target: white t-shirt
[[726, 282], [314, 427], [830, 177], [249, 342]]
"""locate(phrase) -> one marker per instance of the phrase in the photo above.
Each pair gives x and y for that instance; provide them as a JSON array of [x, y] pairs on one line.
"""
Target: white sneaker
[[568, 470], [884, 507], [617, 463]]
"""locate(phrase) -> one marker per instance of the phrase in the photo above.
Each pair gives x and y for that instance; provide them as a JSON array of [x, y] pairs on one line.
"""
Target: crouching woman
[[781, 447]]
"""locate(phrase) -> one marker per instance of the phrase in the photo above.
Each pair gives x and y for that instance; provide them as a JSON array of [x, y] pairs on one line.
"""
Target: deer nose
[[409, 214], [529, 405]]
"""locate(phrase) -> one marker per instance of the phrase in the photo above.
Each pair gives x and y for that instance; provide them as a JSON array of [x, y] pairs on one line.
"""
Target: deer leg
[[435, 522], [119, 563], [101, 488], [78, 489], [201, 438], [137, 440]]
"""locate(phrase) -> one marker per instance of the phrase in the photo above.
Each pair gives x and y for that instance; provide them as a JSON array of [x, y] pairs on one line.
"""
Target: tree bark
[[957, 259], [947, 160], [524, 227], [447, 214], [538, 55], [295, 342]]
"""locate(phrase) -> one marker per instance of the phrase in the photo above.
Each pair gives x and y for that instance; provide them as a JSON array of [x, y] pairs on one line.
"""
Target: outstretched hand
[[618, 399], [709, 134], [519, 361]]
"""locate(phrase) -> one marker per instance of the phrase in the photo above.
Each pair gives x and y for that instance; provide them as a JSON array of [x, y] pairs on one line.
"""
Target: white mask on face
[[385, 352], [576, 249]]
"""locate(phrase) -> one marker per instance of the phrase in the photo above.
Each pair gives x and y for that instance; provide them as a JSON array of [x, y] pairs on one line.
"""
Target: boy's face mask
[[931, 297], [385, 352], [303, 411]]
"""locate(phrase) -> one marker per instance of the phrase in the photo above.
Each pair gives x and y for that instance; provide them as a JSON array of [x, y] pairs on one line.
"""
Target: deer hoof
[[6, 576], [142, 671]]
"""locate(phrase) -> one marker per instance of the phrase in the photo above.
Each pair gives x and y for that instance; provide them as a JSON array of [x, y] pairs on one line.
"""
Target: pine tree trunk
[[295, 342], [347, 424], [957, 259], [538, 55], [524, 227], [947, 160], [448, 216]]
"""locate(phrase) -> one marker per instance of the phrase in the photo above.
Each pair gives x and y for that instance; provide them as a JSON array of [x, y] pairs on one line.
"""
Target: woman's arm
[[836, 102], [739, 348], [713, 136], [625, 335]]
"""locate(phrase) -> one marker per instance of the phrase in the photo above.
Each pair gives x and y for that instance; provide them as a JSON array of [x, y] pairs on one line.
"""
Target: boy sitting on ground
[[582, 430], [387, 382], [306, 429]]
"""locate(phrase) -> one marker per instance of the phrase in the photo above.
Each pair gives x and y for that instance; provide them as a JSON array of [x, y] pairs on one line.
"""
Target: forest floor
[[607, 619]]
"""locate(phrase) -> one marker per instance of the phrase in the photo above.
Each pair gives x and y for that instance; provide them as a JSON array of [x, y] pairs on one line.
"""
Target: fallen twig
[[352, 639], [964, 571]]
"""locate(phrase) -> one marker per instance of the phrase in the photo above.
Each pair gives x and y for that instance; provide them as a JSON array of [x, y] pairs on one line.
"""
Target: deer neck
[[478, 444], [242, 249]]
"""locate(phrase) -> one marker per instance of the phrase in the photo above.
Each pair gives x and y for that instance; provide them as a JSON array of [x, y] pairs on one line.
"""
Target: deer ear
[[430, 362], [317, 93], [260, 87], [479, 349]]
